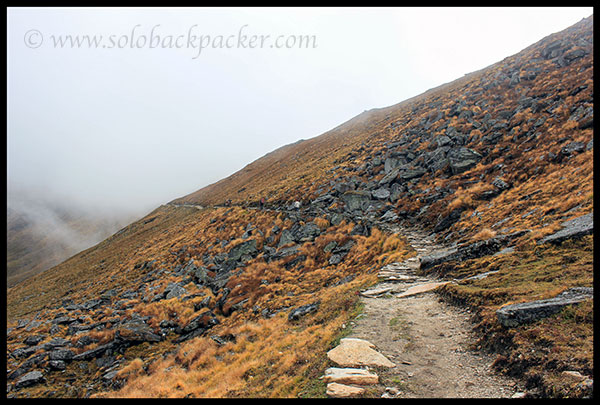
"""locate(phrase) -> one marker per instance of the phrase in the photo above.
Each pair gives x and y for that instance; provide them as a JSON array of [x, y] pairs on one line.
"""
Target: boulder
[[350, 376], [356, 200], [517, 314], [61, 354], [137, 331], [243, 248], [470, 251], [337, 390], [353, 352], [304, 310], [462, 159], [381, 194], [574, 228], [29, 379]]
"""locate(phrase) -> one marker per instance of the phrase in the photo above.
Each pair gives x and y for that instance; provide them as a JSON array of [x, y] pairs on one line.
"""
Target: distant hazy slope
[[41, 234]]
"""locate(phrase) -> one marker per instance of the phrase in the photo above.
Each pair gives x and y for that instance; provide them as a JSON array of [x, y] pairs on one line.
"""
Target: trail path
[[427, 339]]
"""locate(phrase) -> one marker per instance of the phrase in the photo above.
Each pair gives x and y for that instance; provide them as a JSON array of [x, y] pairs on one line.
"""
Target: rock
[[287, 237], [33, 340], [174, 290], [304, 310], [411, 173], [29, 379], [337, 390], [381, 194], [243, 248], [462, 159], [390, 164], [56, 342], [356, 200], [136, 331], [205, 320], [61, 354], [95, 352], [471, 251], [500, 184], [389, 177], [446, 221], [389, 216], [350, 376], [63, 320], [574, 228], [57, 365], [418, 289], [572, 147], [309, 232], [353, 352], [23, 352], [377, 291], [517, 314]]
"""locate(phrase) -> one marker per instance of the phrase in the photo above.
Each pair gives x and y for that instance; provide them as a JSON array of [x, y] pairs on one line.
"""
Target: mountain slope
[[237, 302], [41, 234]]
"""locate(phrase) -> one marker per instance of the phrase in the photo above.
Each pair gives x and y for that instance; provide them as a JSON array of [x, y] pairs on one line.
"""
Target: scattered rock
[[350, 376], [304, 310], [574, 228], [29, 379], [337, 390], [357, 352], [517, 314]]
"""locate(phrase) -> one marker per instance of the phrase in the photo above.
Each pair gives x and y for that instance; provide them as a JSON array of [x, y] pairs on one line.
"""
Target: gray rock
[[29, 379], [61, 354], [304, 310], [471, 251], [33, 340], [241, 249], [462, 159], [381, 194], [95, 352], [57, 365], [574, 228], [572, 147], [136, 331], [412, 173], [356, 200], [174, 290], [286, 237], [517, 314]]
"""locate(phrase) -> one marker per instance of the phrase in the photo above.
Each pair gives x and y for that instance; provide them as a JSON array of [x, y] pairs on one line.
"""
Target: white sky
[[137, 127]]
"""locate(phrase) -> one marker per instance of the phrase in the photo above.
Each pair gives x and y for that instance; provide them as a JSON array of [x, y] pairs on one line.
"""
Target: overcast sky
[[145, 116]]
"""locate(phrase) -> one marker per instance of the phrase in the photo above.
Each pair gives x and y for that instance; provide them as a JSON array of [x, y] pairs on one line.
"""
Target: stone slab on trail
[[356, 376], [421, 288], [337, 390], [357, 352]]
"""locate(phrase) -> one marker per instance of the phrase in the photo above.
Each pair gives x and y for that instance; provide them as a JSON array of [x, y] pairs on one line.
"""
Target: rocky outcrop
[[574, 228], [470, 251], [517, 314]]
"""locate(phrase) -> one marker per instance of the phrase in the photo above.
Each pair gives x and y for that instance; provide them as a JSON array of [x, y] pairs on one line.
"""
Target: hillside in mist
[[205, 298], [44, 232]]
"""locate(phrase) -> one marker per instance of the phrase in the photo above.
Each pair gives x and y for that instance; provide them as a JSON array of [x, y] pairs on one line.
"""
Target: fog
[[130, 124]]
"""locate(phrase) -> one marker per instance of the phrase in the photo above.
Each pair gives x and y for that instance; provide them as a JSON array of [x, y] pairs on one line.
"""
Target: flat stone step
[[352, 352], [337, 390], [356, 376], [421, 288], [376, 292]]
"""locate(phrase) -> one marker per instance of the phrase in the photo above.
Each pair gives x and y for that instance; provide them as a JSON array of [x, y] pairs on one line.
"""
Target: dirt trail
[[427, 339]]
